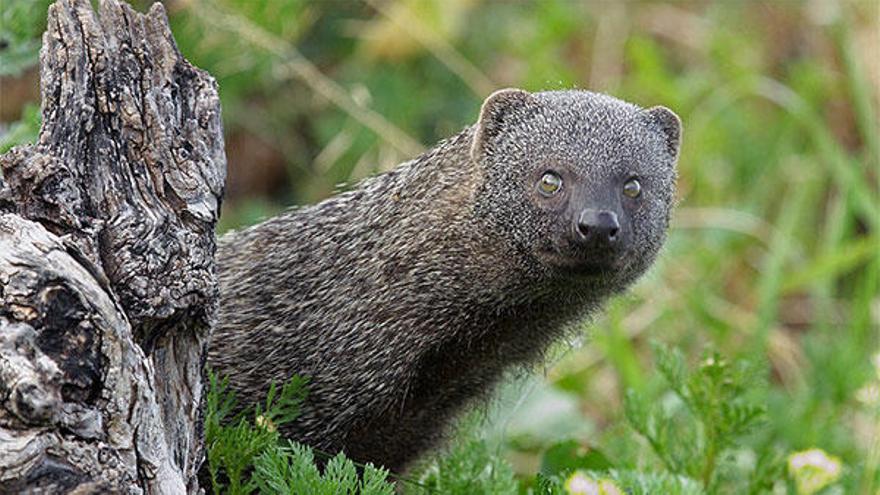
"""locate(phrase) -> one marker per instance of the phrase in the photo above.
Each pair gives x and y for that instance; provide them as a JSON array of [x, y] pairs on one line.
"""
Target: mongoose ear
[[669, 124], [496, 108]]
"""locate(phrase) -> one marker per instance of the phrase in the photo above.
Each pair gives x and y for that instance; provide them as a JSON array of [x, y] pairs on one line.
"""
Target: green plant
[[233, 440], [709, 413], [616, 482], [698, 427], [470, 468], [24, 131], [246, 454], [21, 24], [292, 469]]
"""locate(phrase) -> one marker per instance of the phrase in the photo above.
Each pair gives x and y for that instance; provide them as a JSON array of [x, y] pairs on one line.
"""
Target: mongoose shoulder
[[406, 298]]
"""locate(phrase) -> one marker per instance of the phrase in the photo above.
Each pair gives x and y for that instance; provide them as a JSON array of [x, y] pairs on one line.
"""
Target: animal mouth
[[583, 263], [596, 270]]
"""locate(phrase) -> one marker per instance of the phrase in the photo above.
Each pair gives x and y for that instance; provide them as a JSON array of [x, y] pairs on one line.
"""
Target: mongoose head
[[581, 184]]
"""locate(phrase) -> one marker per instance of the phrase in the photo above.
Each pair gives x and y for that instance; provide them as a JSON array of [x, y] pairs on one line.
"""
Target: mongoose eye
[[632, 188], [550, 183]]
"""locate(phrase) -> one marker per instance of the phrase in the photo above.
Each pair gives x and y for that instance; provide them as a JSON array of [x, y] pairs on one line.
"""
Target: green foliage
[[470, 468], [231, 454], [691, 440], [241, 69], [292, 469], [246, 454], [614, 482], [284, 408], [570, 456], [233, 441], [641, 483], [24, 131], [21, 24]]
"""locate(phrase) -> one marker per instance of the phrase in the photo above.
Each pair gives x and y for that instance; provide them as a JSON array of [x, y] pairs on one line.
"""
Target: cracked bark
[[107, 288]]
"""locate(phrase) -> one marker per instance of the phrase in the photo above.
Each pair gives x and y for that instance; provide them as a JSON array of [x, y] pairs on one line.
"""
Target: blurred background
[[774, 252]]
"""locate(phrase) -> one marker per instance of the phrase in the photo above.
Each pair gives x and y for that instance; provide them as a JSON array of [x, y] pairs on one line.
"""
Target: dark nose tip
[[599, 226]]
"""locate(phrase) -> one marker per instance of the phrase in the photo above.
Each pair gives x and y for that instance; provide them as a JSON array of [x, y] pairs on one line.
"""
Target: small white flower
[[813, 470], [608, 487], [581, 484], [265, 422]]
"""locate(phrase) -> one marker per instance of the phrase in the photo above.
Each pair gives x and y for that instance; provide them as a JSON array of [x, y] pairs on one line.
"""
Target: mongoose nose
[[598, 226]]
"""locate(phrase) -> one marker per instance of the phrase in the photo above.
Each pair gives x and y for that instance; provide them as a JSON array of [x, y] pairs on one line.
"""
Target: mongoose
[[407, 298]]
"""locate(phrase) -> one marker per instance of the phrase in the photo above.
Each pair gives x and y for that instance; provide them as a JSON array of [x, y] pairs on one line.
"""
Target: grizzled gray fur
[[407, 298]]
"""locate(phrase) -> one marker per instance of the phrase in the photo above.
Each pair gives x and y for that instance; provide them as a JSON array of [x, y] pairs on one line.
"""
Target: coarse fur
[[409, 296]]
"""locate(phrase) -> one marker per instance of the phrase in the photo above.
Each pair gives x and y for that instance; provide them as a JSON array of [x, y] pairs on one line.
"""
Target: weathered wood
[[107, 287]]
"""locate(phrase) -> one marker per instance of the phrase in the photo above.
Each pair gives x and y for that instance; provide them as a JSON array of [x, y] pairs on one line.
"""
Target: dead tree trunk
[[107, 288]]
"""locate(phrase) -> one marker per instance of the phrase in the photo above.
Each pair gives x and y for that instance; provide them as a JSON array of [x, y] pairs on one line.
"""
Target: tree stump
[[107, 285]]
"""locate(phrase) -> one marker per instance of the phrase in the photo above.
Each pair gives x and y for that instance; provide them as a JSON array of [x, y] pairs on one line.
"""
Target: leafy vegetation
[[690, 437], [469, 468], [22, 22], [22, 131], [707, 414], [773, 258], [246, 454]]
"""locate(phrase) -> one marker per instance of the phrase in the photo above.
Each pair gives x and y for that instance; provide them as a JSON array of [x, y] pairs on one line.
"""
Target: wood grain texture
[[107, 283]]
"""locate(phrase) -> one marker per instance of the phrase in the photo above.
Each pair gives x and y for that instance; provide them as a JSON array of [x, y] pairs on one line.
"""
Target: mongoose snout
[[597, 227]]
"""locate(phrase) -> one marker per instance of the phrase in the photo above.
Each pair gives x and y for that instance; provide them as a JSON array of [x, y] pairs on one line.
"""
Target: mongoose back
[[408, 297]]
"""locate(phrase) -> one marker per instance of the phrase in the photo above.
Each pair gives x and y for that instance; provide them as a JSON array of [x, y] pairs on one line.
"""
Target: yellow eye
[[632, 188], [550, 183]]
